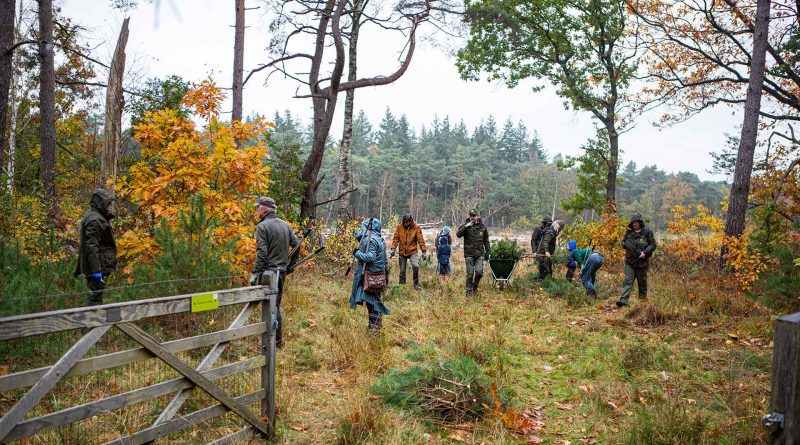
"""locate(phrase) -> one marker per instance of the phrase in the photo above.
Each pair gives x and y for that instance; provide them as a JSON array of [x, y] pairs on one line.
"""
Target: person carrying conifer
[[536, 241]]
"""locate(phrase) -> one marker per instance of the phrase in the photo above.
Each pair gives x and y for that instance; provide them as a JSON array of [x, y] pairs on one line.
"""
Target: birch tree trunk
[[115, 101], [345, 176]]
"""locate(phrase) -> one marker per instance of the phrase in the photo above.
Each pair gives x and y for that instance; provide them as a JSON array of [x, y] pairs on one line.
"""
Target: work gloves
[[392, 254], [253, 279], [487, 256], [355, 250], [96, 277], [469, 223], [572, 264], [424, 257]]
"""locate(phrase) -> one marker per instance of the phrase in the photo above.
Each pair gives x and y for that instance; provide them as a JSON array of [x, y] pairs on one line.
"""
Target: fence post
[[269, 315], [784, 416]]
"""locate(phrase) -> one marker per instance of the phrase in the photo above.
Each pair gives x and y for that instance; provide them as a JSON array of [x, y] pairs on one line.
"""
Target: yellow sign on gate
[[205, 302]]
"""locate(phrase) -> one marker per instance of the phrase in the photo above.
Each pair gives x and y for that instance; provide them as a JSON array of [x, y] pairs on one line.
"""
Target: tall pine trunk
[[238, 62], [345, 176], [115, 101], [47, 112], [7, 15], [740, 189]]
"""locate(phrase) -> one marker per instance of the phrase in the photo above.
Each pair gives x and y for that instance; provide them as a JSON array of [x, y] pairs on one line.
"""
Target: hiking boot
[[592, 292], [621, 303], [417, 286]]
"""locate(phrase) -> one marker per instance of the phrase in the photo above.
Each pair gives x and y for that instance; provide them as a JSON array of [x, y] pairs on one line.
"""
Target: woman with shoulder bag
[[369, 279]]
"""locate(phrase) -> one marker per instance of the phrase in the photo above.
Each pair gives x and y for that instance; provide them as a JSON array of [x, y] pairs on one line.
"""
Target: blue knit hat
[[572, 244]]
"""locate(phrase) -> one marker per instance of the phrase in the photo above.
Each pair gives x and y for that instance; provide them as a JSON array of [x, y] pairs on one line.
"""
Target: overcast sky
[[194, 39]]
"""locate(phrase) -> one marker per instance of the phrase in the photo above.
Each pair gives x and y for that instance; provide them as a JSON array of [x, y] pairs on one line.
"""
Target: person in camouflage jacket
[[639, 244], [476, 248]]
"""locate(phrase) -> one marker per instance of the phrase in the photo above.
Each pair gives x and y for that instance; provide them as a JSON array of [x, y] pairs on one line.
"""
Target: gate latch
[[773, 421]]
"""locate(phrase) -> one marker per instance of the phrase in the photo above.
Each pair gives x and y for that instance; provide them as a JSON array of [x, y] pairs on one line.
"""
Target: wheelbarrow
[[501, 269]]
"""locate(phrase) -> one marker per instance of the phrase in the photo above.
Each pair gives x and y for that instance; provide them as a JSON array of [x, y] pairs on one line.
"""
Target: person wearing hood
[[546, 249], [588, 260], [97, 254], [371, 256], [639, 244], [407, 236], [274, 239], [476, 248], [443, 250]]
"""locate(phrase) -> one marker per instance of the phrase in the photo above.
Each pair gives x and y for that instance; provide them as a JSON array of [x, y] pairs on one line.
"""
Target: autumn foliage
[[181, 159], [698, 236], [604, 235]]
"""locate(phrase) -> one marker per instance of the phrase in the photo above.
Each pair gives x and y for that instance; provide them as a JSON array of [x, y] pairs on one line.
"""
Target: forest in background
[[438, 172]]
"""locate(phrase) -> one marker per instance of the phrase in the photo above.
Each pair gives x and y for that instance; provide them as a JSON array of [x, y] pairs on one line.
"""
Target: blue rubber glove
[[96, 276]]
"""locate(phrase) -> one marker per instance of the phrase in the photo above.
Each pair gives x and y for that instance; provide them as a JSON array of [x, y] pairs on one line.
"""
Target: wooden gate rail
[[99, 319]]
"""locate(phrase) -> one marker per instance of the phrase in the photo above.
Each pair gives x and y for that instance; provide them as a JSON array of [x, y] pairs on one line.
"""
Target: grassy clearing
[[691, 367]]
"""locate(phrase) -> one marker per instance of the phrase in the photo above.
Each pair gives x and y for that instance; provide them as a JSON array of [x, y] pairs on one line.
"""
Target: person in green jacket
[[274, 240], [476, 248], [97, 254], [639, 244], [589, 261]]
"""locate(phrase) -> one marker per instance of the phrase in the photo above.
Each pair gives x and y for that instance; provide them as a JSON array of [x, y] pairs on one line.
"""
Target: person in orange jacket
[[407, 236]]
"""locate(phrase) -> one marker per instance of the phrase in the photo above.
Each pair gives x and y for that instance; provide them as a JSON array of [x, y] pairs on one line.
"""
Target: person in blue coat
[[443, 251], [371, 254]]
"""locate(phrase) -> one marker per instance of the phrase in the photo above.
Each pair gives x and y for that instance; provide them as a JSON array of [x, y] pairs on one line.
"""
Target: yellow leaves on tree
[[605, 235], [698, 236], [180, 160]]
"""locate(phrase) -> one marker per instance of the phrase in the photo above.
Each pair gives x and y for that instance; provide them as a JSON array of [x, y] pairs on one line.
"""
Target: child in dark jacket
[[443, 253]]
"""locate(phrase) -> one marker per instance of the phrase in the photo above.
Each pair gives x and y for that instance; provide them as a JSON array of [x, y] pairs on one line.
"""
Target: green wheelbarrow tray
[[501, 269]]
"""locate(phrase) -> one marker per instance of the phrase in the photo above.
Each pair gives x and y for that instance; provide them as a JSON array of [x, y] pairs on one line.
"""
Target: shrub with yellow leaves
[[180, 160], [605, 235], [698, 236]]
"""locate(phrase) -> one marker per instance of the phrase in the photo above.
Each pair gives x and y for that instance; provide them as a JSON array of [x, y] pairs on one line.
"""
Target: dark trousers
[[279, 331], [374, 316], [545, 268], [279, 318], [638, 274], [589, 271], [95, 297], [474, 273]]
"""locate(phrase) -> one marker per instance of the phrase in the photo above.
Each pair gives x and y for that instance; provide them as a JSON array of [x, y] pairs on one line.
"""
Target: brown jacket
[[408, 239]]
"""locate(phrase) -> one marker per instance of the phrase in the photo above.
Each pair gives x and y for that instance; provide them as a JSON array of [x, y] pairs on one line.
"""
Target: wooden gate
[[130, 330]]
